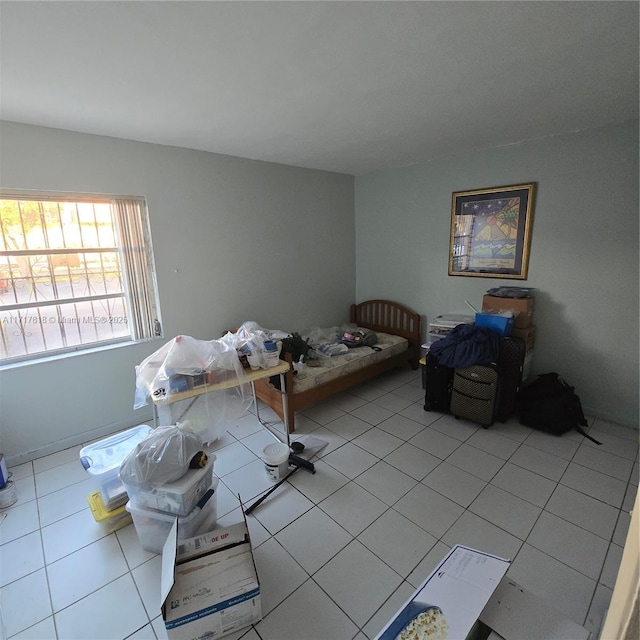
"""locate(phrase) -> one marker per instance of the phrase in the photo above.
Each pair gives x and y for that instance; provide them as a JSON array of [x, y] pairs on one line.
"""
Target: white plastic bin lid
[[451, 320], [109, 453]]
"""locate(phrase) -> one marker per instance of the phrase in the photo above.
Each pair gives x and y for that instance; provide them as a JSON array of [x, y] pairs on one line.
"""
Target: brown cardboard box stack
[[523, 326]]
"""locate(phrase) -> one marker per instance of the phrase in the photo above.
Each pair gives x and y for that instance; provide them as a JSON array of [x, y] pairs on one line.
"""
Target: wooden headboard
[[388, 317], [383, 316]]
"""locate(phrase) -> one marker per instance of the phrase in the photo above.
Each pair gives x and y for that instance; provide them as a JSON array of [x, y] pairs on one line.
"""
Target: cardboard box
[[521, 307], [528, 335], [513, 613], [452, 597], [527, 365], [474, 600], [209, 585]]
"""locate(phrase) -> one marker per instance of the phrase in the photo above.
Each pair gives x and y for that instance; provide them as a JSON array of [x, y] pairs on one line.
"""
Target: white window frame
[[139, 291]]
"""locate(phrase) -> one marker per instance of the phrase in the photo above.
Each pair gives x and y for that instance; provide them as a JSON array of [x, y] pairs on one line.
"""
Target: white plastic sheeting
[[186, 364]]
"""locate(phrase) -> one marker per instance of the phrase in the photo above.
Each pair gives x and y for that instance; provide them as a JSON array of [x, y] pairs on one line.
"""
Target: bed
[[398, 330]]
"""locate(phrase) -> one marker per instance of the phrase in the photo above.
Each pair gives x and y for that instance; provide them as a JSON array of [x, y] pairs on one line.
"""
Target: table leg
[[269, 426]]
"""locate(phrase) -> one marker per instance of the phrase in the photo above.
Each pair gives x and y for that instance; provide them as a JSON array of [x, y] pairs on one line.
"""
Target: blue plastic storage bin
[[502, 325]]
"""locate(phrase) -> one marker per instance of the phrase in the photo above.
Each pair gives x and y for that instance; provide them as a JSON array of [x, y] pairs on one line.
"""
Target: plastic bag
[[333, 349], [257, 344], [160, 458], [185, 364], [182, 364], [335, 340], [321, 336]]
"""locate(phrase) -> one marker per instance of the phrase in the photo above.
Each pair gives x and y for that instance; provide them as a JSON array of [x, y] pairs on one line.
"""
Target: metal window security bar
[[75, 272]]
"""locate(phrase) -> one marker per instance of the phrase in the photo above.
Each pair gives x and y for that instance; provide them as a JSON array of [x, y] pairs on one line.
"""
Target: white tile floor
[[337, 552]]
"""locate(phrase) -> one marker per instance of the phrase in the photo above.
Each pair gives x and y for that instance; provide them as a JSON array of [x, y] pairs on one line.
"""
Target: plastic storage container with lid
[[442, 325], [153, 526], [102, 460], [112, 520], [501, 324], [179, 497]]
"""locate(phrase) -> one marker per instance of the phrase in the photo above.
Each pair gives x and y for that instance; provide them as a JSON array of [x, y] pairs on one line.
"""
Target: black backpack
[[550, 404]]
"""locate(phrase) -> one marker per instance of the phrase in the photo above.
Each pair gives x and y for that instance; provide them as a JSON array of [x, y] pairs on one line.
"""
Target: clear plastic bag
[[319, 336], [325, 341], [160, 458], [185, 364], [256, 343], [333, 349]]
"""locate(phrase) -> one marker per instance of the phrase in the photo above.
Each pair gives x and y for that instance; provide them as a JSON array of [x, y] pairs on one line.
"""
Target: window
[[75, 272]]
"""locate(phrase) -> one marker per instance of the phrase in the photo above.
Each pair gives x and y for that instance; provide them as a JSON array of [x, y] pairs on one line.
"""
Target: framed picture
[[491, 232]]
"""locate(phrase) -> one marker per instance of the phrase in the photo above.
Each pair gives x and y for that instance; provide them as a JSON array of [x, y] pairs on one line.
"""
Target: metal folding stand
[[247, 377], [280, 370]]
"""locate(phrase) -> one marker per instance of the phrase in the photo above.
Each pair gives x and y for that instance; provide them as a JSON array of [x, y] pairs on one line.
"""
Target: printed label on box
[[216, 591], [450, 600]]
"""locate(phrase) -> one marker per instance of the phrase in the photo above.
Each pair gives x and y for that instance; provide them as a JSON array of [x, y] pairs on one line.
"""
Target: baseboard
[[83, 438], [590, 412]]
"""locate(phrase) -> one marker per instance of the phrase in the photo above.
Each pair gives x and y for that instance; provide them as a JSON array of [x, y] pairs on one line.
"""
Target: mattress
[[337, 366]]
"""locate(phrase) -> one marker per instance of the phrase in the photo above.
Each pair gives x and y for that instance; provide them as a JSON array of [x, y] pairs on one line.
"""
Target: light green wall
[[236, 239], [584, 251], [233, 239]]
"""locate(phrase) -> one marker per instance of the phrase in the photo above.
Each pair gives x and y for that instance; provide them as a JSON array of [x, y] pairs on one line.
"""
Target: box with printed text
[[209, 585], [469, 597], [449, 601]]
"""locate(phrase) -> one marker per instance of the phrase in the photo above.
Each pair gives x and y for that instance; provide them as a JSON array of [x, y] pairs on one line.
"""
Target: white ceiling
[[351, 87]]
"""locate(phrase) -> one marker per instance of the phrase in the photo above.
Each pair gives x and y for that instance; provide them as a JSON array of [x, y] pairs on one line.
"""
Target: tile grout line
[[388, 507]]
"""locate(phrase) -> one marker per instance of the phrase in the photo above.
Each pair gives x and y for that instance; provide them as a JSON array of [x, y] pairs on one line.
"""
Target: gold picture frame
[[491, 232]]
